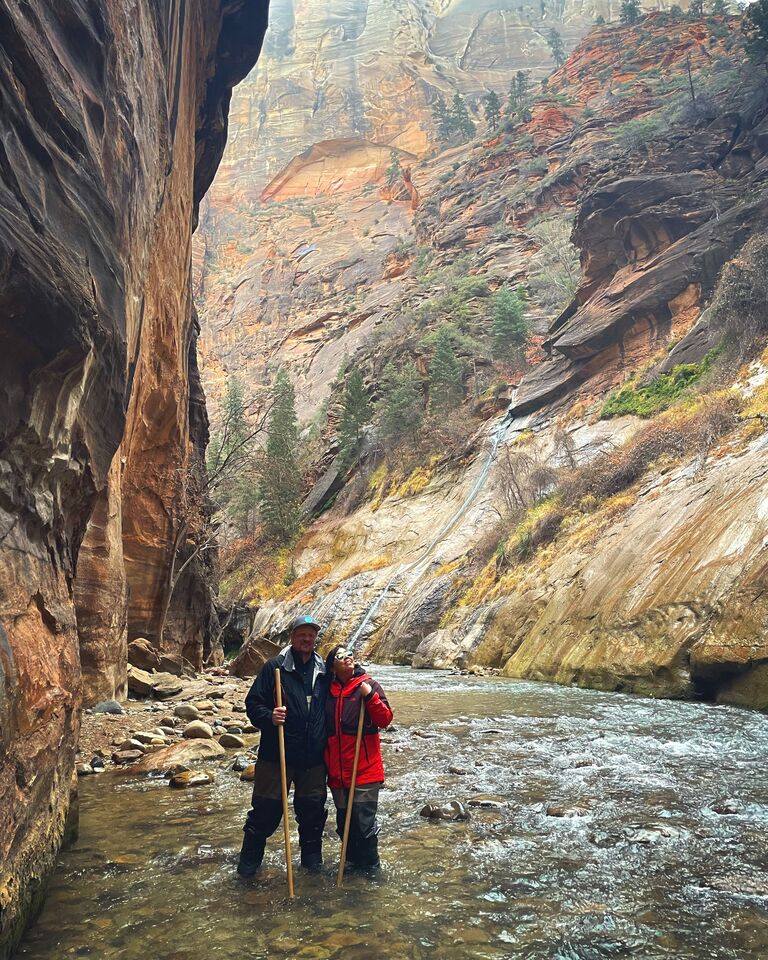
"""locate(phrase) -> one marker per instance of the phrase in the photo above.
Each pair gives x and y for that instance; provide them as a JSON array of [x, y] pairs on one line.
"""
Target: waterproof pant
[[309, 796], [363, 842]]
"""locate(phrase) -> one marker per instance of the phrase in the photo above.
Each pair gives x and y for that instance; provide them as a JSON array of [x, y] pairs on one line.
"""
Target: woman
[[350, 691]]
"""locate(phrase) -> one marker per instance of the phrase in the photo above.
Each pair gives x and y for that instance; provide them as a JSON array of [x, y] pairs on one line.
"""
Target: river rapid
[[608, 826]]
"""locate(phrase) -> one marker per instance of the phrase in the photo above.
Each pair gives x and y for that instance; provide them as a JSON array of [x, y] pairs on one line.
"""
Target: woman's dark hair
[[329, 660]]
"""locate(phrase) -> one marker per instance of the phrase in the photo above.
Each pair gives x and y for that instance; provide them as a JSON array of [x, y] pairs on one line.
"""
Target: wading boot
[[312, 856], [251, 854]]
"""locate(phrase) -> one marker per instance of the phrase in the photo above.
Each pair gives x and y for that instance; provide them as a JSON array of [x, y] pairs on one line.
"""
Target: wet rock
[[231, 742], [728, 807], [453, 810], [458, 771], [234, 728], [241, 763], [187, 711], [84, 769], [132, 744], [184, 752], [108, 706], [650, 834], [192, 778], [198, 729], [97, 764], [249, 773], [490, 801], [123, 757], [142, 655], [249, 728]]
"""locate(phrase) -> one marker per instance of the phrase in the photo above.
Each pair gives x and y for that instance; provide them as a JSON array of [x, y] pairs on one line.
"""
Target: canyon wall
[[659, 190], [113, 122]]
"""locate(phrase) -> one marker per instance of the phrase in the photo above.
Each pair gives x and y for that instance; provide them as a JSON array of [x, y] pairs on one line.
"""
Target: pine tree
[[556, 45], [600, 20], [280, 483], [631, 11], [492, 108], [401, 408], [356, 412], [394, 171], [755, 27], [719, 8], [696, 9], [446, 384], [509, 327], [462, 123], [518, 90], [443, 118]]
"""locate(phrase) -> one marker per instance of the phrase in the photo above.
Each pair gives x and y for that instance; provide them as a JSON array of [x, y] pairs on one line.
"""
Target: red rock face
[[113, 123]]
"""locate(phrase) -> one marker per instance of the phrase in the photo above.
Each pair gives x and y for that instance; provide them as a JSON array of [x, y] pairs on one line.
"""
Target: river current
[[608, 826]]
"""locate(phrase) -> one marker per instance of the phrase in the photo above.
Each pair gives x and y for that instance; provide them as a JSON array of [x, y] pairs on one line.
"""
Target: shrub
[[739, 306], [555, 269], [636, 133], [659, 394]]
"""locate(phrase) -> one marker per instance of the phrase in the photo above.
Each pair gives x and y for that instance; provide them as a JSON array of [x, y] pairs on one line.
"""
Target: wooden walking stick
[[284, 785], [351, 797]]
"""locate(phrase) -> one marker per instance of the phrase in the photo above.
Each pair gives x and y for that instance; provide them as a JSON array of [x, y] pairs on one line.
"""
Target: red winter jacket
[[342, 713]]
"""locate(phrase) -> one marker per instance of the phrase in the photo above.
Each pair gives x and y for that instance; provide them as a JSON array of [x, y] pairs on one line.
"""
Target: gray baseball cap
[[305, 621]]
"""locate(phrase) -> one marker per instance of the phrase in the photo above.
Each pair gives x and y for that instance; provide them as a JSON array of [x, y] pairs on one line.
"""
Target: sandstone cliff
[[607, 580], [113, 123]]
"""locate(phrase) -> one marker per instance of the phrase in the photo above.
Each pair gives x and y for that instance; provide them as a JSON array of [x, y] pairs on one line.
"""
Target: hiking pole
[[284, 784], [351, 797]]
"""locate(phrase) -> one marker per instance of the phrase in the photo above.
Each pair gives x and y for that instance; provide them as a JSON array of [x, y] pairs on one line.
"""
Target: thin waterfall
[[425, 554]]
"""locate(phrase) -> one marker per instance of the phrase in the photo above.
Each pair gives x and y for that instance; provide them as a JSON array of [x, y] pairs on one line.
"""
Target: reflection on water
[[599, 839]]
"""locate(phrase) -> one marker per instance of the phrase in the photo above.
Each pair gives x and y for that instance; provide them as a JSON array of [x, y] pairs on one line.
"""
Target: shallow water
[[640, 866]]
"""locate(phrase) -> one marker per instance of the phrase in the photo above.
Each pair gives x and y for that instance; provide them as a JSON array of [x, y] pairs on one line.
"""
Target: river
[[601, 840]]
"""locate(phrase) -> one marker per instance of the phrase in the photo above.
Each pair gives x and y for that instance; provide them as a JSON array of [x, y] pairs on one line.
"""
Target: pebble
[[191, 778], [186, 711], [453, 810], [198, 729], [205, 706], [231, 742]]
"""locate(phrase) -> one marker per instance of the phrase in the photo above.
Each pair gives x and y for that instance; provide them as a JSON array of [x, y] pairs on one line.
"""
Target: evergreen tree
[[676, 11], [401, 408], [556, 45], [719, 8], [446, 383], [460, 118], [509, 327], [492, 108], [280, 483], [696, 9], [755, 27], [631, 11], [518, 90], [443, 118], [356, 412], [394, 171], [229, 460], [600, 20]]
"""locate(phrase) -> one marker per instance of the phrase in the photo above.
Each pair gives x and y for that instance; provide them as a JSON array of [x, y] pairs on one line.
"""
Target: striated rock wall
[[113, 120]]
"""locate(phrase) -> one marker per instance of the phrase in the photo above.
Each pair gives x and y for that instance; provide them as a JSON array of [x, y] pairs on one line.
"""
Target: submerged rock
[[453, 810], [192, 778], [184, 752]]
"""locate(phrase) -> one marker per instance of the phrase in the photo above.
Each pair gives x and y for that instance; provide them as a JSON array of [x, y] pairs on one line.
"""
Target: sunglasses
[[343, 655]]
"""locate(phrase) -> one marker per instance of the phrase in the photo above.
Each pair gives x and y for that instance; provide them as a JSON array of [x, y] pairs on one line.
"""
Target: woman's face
[[343, 664]]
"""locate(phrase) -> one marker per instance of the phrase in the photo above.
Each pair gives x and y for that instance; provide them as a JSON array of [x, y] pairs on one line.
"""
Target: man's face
[[303, 640]]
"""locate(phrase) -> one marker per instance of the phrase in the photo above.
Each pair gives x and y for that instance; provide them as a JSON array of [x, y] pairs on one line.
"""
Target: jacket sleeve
[[378, 706], [260, 701]]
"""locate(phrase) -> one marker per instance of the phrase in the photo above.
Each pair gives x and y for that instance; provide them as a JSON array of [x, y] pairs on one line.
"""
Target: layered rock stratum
[[113, 122], [656, 587]]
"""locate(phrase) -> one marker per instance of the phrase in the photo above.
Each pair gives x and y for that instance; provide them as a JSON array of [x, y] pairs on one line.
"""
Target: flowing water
[[601, 839]]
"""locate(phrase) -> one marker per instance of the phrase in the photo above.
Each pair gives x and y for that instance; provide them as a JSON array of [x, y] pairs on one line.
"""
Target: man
[[302, 717]]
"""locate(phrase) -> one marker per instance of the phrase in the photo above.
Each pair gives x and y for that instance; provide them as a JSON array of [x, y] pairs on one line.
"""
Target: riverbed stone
[[140, 682], [241, 763], [249, 774], [728, 807], [109, 707], [205, 706], [122, 757], [231, 742], [198, 729], [187, 711], [144, 736], [131, 744], [192, 778], [185, 752], [491, 801], [167, 687], [453, 810], [84, 769]]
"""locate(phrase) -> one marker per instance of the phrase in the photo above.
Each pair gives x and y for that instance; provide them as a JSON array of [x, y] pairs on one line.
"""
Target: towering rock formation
[[113, 121]]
